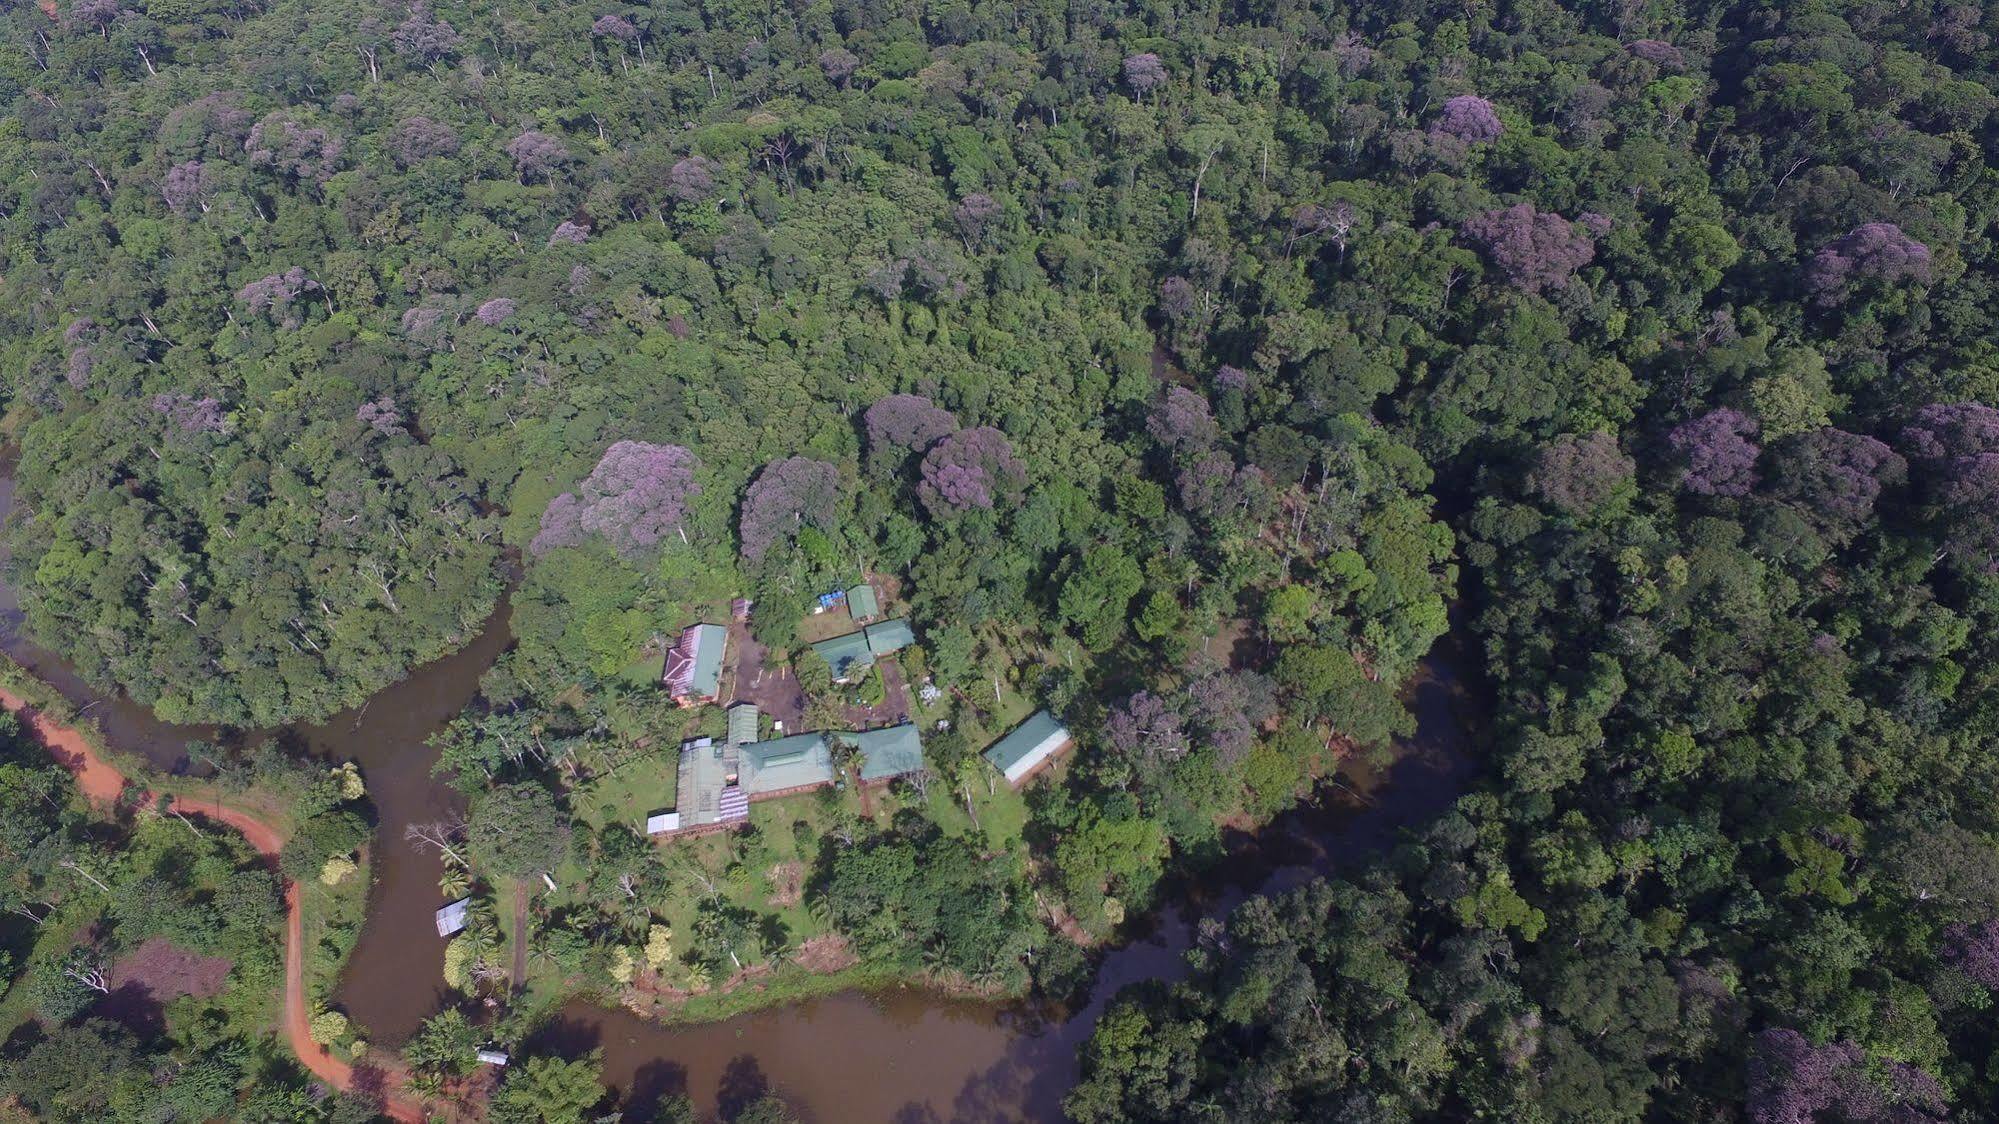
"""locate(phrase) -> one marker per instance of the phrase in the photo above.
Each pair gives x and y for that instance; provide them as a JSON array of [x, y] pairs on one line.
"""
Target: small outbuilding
[[1031, 744], [492, 1057], [862, 603], [660, 823], [451, 919], [742, 723]]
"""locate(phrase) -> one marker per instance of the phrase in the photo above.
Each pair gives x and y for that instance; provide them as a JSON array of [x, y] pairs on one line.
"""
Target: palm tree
[[455, 882]]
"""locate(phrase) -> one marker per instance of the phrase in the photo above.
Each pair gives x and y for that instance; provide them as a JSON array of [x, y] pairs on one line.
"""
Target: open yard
[[635, 787]]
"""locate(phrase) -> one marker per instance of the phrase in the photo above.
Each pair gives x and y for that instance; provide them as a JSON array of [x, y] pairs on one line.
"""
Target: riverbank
[[105, 784]]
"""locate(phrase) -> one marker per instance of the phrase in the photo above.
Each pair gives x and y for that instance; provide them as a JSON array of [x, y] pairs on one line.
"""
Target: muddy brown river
[[904, 1055]]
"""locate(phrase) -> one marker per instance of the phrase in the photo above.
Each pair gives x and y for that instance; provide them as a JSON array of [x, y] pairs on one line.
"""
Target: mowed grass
[[629, 792]]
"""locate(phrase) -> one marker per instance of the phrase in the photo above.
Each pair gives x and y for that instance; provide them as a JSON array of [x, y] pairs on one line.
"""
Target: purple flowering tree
[[1658, 52], [1225, 708], [382, 416], [416, 139], [615, 27], [425, 325], [277, 295], [1182, 421], [635, 497], [569, 234], [1876, 251], [1834, 478], [187, 414], [77, 370], [1145, 727], [1213, 487], [906, 423], [495, 312], [1536, 250], [786, 496], [537, 154], [972, 214], [691, 179], [188, 184], [1954, 448], [423, 38], [838, 64], [1577, 474], [1144, 73], [1719, 457], [972, 468], [1177, 298], [301, 153], [1792, 1081], [1469, 118], [1974, 950]]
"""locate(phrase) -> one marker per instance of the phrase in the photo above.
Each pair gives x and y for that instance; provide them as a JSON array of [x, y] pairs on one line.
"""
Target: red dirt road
[[102, 783]]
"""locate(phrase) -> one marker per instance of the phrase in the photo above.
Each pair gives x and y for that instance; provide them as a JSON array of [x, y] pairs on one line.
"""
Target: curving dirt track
[[102, 783]]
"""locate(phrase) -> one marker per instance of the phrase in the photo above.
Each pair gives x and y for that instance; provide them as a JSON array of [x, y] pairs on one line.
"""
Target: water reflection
[[904, 1055]]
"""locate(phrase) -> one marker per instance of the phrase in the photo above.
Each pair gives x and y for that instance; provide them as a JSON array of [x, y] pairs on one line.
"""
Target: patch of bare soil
[[169, 971], [827, 953], [787, 881]]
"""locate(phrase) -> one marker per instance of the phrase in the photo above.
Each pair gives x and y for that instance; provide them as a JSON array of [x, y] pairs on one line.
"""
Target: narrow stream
[[904, 1055]]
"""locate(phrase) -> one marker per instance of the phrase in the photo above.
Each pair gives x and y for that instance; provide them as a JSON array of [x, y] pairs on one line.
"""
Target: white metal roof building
[[451, 918], [1029, 745]]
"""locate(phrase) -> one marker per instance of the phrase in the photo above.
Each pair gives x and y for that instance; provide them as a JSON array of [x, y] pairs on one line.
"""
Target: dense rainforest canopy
[[1185, 362]]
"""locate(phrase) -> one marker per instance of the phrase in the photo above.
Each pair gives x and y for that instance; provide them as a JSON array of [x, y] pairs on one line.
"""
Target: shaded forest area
[[1659, 334]]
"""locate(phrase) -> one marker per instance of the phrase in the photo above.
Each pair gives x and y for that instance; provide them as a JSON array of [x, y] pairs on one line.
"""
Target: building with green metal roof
[[862, 604], [889, 752], [1031, 744], [847, 655], [889, 636], [742, 723], [783, 764], [694, 665]]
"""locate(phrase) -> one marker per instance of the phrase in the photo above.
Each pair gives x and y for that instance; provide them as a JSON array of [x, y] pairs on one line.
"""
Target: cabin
[[888, 753], [862, 603], [851, 656], [492, 1057], [847, 655], [1031, 745], [694, 665], [451, 919], [889, 636]]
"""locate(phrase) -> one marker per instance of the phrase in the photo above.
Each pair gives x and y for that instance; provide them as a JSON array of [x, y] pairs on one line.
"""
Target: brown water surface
[[905, 1055], [394, 979], [910, 1056]]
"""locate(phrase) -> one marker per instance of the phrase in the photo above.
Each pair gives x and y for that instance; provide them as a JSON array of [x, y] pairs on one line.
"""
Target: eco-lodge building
[[718, 780], [694, 664], [1031, 745], [851, 656]]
